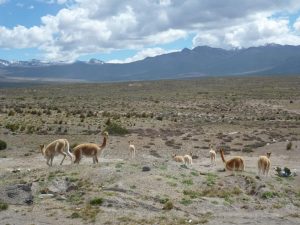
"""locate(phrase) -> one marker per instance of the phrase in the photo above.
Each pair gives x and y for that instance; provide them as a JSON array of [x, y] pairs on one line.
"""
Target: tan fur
[[264, 163], [131, 148], [212, 154], [60, 146], [178, 158], [234, 164], [90, 150], [188, 159]]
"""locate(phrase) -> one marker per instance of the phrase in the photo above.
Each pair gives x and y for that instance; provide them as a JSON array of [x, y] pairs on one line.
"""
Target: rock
[[17, 194], [146, 168], [44, 196], [61, 186]]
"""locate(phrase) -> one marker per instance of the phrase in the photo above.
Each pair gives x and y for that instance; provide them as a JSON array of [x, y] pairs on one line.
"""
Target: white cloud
[[255, 32], [148, 52], [98, 26], [296, 25], [22, 37]]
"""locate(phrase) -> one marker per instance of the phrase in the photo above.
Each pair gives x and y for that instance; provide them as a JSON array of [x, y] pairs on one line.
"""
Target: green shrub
[[116, 129], [3, 206], [12, 127], [96, 201], [269, 194], [3, 145]]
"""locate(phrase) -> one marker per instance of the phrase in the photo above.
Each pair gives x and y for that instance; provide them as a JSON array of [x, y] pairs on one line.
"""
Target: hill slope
[[200, 61]]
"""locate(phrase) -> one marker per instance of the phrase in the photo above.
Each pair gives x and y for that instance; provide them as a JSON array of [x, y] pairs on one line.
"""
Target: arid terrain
[[245, 116]]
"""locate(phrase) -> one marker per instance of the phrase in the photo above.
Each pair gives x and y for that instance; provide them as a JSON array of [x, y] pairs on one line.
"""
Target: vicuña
[[264, 163], [90, 150], [234, 164], [60, 146]]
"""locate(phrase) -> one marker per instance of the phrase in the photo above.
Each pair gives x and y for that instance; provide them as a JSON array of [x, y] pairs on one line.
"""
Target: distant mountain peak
[[95, 61]]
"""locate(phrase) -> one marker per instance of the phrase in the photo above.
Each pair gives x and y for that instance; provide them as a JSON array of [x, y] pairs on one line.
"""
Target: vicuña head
[[90, 149], [264, 163], [60, 146], [234, 164]]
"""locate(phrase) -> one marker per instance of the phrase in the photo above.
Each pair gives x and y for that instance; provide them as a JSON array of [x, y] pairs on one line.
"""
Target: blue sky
[[123, 31]]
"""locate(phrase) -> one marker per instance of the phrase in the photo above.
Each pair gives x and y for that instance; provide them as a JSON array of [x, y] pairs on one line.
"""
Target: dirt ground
[[247, 117]]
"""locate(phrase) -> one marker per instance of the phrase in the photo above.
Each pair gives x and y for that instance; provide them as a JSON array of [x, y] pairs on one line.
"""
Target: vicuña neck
[[222, 156], [103, 143]]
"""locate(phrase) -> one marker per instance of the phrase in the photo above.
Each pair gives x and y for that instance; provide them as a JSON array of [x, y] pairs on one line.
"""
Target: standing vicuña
[[60, 146], [264, 163], [131, 149], [234, 164], [188, 159], [212, 154], [90, 150]]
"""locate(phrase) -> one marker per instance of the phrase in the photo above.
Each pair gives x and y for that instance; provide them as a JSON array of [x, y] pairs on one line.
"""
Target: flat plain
[[245, 116]]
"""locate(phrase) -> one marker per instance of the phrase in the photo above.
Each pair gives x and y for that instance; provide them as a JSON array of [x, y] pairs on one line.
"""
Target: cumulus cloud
[[259, 31], [98, 26], [3, 1], [296, 25], [148, 52]]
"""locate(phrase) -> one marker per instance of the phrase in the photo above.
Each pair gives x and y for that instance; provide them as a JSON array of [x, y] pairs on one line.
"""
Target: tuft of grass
[[211, 179], [3, 206], [191, 194], [168, 205], [188, 182], [194, 173], [75, 215], [269, 194], [89, 213], [3, 145], [96, 201], [186, 201]]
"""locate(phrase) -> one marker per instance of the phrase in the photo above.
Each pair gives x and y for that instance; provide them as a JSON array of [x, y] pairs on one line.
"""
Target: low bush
[[114, 128], [3, 145]]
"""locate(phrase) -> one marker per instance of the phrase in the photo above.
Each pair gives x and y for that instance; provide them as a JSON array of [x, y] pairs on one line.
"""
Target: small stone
[[42, 196]]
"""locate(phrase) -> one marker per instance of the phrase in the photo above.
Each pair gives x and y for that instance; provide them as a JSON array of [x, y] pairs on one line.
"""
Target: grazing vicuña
[[60, 146]]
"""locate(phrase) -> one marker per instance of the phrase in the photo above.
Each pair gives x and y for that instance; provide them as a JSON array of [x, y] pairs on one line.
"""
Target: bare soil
[[246, 116]]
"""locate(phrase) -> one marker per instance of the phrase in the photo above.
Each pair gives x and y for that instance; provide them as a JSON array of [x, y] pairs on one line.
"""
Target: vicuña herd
[[62, 146]]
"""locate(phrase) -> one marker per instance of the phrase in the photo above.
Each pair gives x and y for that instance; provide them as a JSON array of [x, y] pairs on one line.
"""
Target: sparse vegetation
[[162, 118]]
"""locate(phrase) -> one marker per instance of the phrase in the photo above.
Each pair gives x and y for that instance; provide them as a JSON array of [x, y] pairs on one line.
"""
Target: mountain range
[[270, 59]]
